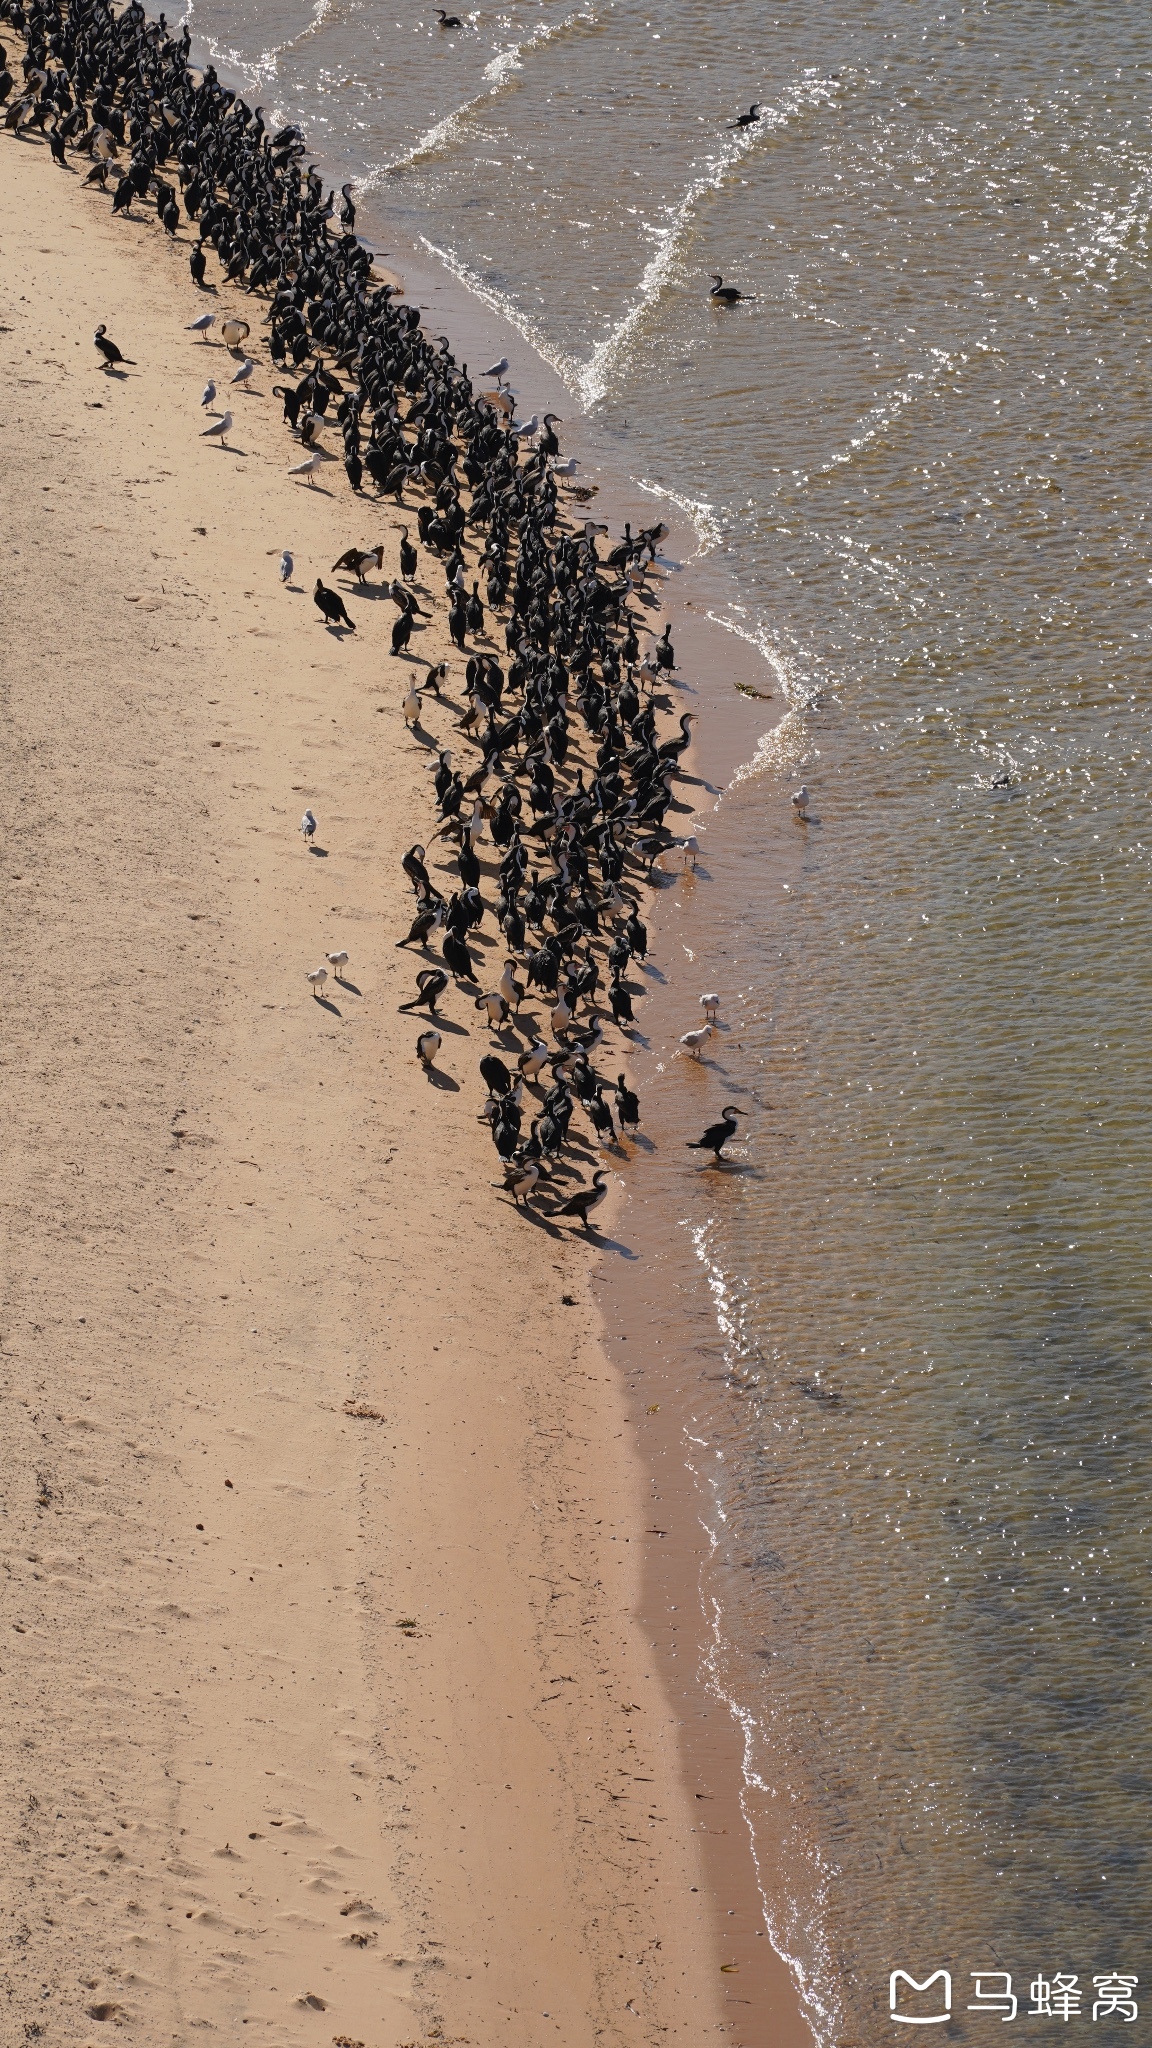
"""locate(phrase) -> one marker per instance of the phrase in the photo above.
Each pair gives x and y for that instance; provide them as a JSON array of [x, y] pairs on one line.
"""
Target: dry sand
[[327, 1713]]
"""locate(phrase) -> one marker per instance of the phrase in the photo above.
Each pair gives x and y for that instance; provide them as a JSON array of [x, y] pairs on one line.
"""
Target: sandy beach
[[328, 1711]]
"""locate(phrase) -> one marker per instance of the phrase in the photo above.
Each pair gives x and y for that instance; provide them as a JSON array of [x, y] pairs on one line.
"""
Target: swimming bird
[[219, 430], [330, 605], [749, 119], [694, 1041], [286, 566], [710, 1004], [234, 332], [207, 395], [308, 827], [585, 1200], [244, 372], [337, 962], [317, 977], [431, 983], [723, 294], [717, 1135], [201, 325], [428, 1045], [800, 803], [108, 350], [448, 20]]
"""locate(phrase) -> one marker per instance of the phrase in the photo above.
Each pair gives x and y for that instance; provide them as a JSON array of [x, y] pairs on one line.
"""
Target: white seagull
[[496, 370], [219, 429], [710, 1004], [801, 801], [286, 566], [208, 394], [337, 962], [245, 371], [308, 827], [694, 1041], [317, 976], [201, 325]]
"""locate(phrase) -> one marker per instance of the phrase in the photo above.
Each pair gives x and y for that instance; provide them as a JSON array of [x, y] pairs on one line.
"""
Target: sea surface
[[916, 463]]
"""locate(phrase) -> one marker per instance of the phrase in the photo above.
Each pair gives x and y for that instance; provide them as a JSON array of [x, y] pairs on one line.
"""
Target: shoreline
[[272, 1403], [355, 1385]]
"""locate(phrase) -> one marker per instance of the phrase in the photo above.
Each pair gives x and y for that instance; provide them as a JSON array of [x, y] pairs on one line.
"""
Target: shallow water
[[920, 458]]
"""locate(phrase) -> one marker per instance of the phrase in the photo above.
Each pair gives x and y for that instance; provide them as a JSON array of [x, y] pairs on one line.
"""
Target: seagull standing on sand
[[309, 467], [497, 370], [286, 566], [207, 395], [219, 429], [317, 977], [245, 371], [337, 962], [308, 827], [201, 325]]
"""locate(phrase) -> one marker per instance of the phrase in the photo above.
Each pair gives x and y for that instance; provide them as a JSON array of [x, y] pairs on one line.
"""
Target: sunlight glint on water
[[922, 452]]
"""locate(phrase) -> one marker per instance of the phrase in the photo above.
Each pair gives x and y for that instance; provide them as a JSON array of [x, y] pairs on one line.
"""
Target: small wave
[[706, 523], [500, 72], [798, 99], [786, 1923], [508, 310]]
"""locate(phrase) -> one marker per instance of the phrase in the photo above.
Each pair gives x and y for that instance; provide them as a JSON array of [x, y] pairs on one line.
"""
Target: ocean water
[[917, 462]]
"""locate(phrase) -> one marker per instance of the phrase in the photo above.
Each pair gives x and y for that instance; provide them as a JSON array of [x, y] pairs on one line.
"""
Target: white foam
[[715, 170], [500, 73], [705, 521]]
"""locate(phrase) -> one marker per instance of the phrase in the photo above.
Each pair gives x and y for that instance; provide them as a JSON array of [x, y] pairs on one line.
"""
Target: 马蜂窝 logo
[[941, 1998]]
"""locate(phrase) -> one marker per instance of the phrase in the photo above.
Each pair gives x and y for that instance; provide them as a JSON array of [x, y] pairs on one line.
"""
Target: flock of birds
[[560, 766]]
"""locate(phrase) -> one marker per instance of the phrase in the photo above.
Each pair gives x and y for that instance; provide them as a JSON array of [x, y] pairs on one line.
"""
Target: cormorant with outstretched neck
[[717, 1135], [723, 294], [583, 1202], [749, 119]]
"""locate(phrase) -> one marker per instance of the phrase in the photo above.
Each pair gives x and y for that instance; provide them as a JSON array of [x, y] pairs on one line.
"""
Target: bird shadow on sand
[[349, 985], [438, 1079], [604, 1244], [443, 1023], [338, 632], [120, 376], [536, 1216], [637, 1138], [318, 852], [326, 1003]]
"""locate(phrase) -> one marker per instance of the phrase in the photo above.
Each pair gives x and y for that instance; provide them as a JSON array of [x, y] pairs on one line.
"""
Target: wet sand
[[328, 1710]]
